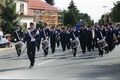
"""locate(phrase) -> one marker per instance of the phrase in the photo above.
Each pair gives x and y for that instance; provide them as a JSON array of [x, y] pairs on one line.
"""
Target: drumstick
[[23, 51]]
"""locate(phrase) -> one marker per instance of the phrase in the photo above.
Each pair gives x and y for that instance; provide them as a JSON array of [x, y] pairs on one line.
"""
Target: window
[[22, 8]]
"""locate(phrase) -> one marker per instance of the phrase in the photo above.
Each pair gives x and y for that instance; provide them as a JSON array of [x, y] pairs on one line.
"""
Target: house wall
[[18, 6], [26, 20]]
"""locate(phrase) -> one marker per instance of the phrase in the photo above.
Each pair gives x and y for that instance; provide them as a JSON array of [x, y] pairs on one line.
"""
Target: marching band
[[104, 38]]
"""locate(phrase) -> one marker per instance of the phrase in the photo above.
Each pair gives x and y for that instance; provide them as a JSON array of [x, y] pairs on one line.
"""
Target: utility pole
[[104, 13]]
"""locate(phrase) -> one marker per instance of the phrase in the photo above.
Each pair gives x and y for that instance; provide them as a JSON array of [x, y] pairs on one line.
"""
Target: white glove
[[32, 40]]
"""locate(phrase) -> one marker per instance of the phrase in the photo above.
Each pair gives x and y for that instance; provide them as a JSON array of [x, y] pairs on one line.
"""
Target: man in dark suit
[[18, 36], [30, 38], [53, 38], [63, 39], [83, 38]]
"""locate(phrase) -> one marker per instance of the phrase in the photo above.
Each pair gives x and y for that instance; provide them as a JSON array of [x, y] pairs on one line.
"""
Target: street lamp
[[104, 12]]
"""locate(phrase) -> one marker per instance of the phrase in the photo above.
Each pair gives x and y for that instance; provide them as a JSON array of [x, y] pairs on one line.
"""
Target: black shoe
[[31, 65], [19, 55]]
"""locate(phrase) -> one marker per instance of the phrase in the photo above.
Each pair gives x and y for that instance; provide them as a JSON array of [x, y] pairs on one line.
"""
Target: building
[[37, 10]]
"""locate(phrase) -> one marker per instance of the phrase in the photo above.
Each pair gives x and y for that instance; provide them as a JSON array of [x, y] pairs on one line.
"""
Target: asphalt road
[[61, 66]]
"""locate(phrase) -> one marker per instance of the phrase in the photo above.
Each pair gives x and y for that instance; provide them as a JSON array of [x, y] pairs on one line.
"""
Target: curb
[[3, 49]]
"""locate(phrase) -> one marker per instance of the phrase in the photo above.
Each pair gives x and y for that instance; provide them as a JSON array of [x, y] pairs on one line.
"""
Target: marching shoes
[[31, 65]]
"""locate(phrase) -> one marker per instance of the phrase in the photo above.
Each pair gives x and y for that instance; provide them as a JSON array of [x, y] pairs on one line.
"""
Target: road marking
[[46, 62], [103, 78]]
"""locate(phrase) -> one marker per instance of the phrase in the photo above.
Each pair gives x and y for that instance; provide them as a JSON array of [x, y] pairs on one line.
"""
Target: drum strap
[[30, 34], [101, 34], [74, 35], [93, 34], [44, 33], [17, 34]]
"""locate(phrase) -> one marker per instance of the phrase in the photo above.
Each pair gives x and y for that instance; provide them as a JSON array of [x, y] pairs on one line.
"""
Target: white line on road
[[46, 62]]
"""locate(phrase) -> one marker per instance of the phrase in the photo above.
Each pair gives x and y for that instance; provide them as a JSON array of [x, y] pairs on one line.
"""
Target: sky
[[93, 7]]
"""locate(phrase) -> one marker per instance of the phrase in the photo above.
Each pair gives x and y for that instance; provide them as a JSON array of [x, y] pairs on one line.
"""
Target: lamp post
[[104, 13]]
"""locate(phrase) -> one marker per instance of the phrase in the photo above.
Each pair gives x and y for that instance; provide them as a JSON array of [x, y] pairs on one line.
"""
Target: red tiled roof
[[38, 4]]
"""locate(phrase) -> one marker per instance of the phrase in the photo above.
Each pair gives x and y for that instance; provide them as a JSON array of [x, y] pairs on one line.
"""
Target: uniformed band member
[[63, 39], [18, 36], [38, 41], [58, 37], [83, 38], [30, 38], [53, 38], [74, 42], [45, 41], [89, 38]]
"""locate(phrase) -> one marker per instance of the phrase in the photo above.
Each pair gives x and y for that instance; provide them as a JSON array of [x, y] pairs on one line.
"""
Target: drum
[[45, 44], [115, 40], [74, 43], [102, 43], [18, 45]]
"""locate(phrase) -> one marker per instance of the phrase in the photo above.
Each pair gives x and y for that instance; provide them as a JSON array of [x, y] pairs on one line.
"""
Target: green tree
[[71, 16], [105, 19], [39, 25], [86, 19], [2, 1], [9, 17], [51, 2], [115, 13]]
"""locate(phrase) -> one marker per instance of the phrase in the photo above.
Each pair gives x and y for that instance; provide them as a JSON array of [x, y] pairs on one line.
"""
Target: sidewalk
[[8, 48]]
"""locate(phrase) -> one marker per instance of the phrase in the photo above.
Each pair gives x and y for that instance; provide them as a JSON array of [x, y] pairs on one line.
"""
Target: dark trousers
[[38, 44], [83, 46], [31, 48], [94, 44], [89, 45], [74, 50], [58, 43], [63, 46], [100, 51], [53, 47], [45, 51], [18, 49], [68, 45]]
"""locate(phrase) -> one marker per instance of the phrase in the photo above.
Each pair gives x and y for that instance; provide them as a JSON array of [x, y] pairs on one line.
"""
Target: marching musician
[[109, 37], [53, 38], [38, 41], [89, 38], [18, 36], [63, 39], [58, 37], [74, 42], [30, 38], [99, 36], [45, 41], [83, 38], [68, 38]]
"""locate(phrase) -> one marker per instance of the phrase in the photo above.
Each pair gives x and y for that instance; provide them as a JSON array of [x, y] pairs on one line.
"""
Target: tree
[[115, 13], [51, 2], [39, 25], [71, 16], [105, 19], [86, 19], [2, 1], [9, 17]]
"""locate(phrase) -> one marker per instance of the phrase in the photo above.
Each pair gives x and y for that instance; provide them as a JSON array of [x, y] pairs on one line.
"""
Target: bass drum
[[45, 44], [74, 43], [102, 43], [18, 45]]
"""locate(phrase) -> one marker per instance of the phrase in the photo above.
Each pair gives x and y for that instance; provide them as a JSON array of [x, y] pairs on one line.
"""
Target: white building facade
[[22, 10]]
